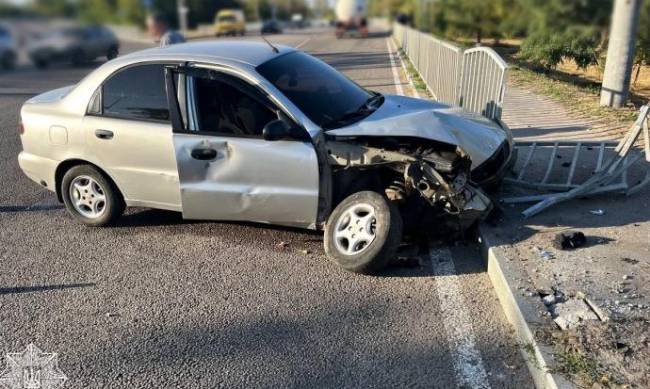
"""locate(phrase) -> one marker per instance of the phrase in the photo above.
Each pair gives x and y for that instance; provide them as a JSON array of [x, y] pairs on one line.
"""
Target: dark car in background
[[7, 49], [74, 45], [271, 27]]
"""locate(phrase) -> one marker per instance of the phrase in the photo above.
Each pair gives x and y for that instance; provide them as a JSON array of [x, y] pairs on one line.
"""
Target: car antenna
[[275, 49]]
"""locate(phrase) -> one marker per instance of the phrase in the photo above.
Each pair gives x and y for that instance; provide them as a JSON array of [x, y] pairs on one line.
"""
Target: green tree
[[477, 18], [55, 8], [97, 11], [562, 30]]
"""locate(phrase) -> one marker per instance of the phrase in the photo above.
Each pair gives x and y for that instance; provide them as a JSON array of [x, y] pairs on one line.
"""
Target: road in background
[[160, 302]]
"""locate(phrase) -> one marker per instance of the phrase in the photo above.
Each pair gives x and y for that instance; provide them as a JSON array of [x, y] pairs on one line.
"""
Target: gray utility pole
[[620, 53], [182, 15]]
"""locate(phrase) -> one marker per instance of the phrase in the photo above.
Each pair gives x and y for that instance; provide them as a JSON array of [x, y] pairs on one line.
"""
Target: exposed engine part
[[396, 191], [349, 155], [441, 178]]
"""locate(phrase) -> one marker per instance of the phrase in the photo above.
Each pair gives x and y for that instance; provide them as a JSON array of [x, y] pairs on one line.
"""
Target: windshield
[[327, 97], [226, 19]]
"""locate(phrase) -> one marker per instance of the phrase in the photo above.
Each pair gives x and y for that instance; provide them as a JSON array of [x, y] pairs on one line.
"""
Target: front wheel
[[9, 61], [112, 53], [90, 197], [363, 232]]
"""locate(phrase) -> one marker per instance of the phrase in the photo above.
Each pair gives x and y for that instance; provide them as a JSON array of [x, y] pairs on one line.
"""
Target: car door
[[129, 134], [227, 171]]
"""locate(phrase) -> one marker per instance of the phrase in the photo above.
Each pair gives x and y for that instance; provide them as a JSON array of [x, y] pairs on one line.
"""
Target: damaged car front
[[444, 155], [397, 145], [430, 162]]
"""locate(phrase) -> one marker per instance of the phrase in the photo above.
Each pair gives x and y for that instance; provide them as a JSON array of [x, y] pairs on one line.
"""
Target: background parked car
[[75, 45], [230, 22], [7, 49], [271, 27]]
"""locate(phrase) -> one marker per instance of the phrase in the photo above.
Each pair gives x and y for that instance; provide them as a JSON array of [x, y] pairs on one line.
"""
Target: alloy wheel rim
[[355, 229], [88, 197]]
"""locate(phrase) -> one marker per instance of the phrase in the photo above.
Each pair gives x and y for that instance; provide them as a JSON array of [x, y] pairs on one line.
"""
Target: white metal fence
[[474, 79]]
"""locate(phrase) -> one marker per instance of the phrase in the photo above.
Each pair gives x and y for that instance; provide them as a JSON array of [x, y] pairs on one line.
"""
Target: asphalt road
[[158, 302]]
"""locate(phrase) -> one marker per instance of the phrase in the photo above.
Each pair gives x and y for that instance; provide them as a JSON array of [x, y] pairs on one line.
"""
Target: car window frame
[[99, 94], [182, 128]]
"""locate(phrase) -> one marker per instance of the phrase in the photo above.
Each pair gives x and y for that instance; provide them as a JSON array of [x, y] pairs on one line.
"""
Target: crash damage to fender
[[413, 173]]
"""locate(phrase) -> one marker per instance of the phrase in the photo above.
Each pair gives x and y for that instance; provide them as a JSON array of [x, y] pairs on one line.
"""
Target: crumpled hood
[[404, 116]]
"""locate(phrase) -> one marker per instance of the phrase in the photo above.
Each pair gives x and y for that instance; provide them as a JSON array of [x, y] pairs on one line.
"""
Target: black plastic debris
[[569, 240]]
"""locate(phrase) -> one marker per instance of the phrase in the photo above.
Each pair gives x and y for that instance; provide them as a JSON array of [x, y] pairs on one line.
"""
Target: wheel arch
[[68, 164]]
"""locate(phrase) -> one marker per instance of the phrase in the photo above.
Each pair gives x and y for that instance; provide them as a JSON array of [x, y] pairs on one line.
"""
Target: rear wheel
[[91, 197], [363, 232]]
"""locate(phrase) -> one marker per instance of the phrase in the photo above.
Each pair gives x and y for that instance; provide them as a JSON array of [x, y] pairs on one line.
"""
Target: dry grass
[[604, 355], [641, 87], [583, 99]]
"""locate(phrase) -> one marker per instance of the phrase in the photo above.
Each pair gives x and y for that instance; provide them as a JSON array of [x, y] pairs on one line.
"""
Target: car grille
[[492, 165]]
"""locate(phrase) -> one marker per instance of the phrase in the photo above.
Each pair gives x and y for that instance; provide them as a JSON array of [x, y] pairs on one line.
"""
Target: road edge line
[[519, 313], [304, 42], [396, 79], [468, 363], [394, 44]]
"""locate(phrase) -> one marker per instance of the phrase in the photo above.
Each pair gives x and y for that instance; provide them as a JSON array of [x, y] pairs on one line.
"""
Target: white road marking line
[[303, 42], [468, 364], [416, 94], [398, 82]]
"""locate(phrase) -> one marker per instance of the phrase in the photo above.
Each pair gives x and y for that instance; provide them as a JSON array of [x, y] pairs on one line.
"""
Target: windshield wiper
[[375, 100], [368, 107], [347, 116]]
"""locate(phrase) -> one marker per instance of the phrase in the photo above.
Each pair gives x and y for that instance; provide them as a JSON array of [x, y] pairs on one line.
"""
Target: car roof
[[252, 53]]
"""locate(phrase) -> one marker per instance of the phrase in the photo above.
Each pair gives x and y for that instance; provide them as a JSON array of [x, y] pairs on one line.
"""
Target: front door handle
[[204, 154], [104, 134]]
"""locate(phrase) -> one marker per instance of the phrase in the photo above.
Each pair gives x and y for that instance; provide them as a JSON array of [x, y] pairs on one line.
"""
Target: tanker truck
[[351, 17]]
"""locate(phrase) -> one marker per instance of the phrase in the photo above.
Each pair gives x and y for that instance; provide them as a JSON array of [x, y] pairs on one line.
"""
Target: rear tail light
[[21, 128]]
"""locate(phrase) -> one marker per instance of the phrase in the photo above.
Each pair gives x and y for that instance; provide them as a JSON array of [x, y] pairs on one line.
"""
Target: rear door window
[[136, 93]]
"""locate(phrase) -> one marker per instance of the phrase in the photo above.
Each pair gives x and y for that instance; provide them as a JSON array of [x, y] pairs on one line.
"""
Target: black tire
[[114, 202], [41, 63], [112, 53], [372, 256], [77, 58], [9, 61]]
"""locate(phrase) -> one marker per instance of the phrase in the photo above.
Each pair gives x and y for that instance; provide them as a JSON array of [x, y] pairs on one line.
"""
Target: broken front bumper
[[493, 170]]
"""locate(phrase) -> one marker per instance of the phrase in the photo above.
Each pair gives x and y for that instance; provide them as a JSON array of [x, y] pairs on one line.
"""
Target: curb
[[521, 314]]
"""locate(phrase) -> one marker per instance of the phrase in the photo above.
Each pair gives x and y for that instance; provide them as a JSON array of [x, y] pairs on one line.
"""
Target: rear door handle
[[104, 134], [204, 154]]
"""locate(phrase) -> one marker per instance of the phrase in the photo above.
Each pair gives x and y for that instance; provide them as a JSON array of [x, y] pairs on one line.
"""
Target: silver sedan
[[246, 131]]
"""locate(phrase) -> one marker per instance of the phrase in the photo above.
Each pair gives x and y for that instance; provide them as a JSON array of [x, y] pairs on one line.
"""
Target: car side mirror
[[276, 130]]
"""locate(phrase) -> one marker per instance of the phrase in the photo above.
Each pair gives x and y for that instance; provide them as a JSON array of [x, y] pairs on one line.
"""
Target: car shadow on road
[[331, 346], [29, 208], [412, 259], [43, 288], [139, 217]]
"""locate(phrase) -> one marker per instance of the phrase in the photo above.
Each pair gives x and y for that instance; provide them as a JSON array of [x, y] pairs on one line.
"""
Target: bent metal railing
[[474, 79]]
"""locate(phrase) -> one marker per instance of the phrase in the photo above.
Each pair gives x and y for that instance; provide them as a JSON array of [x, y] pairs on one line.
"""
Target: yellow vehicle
[[230, 22]]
